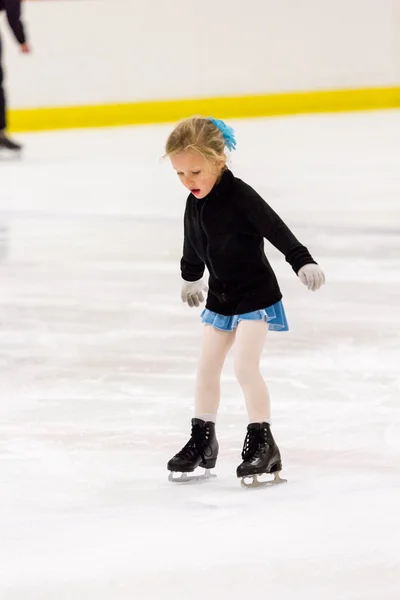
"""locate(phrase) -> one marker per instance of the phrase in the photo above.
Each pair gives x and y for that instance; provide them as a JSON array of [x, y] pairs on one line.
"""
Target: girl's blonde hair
[[200, 135]]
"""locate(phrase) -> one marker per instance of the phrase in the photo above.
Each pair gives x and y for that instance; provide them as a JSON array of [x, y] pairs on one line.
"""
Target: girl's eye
[[195, 172]]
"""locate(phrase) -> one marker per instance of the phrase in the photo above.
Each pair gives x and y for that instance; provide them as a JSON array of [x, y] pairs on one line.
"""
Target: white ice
[[98, 358]]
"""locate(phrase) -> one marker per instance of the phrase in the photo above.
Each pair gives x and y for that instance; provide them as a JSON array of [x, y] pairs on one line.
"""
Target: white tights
[[249, 338]]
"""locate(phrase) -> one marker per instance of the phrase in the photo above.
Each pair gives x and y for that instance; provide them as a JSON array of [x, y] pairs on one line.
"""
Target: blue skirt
[[274, 315]]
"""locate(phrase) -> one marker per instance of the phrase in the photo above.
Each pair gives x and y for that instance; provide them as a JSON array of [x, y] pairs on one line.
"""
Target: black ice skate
[[9, 145], [200, 451], [260, 455]]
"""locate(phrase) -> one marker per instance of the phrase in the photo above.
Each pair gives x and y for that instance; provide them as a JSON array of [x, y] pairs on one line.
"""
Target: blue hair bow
[[227, 133]]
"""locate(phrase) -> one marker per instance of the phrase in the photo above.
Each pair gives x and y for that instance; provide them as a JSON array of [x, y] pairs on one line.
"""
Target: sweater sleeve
[[192, 266], [265, 220], [13, 12]]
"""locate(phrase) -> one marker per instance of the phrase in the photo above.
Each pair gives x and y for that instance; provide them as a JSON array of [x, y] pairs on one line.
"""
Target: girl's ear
[[220, 162]]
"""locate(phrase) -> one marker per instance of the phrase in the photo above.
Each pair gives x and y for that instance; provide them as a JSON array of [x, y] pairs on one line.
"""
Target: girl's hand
[[25, 48], [312, 276], [192, 292]]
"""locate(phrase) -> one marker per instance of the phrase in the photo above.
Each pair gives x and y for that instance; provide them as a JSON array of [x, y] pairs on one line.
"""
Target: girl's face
[[197, 174]]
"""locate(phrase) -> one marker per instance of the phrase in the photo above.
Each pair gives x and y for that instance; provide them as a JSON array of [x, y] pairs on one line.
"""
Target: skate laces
[[198, 443], [254, 442]]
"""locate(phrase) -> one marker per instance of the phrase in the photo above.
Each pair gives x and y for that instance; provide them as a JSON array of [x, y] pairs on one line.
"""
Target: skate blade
[[256, 483], [10, 155], [185, 478]]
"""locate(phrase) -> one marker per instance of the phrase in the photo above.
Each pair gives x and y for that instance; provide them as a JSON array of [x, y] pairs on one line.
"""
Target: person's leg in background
[[2, 98], [3, 229], [5, 142]]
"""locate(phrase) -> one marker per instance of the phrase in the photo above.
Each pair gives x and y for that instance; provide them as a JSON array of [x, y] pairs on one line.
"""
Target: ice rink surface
[[98, 358]]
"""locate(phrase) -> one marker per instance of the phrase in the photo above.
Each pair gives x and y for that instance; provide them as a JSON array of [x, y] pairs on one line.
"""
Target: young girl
[[225, 224]]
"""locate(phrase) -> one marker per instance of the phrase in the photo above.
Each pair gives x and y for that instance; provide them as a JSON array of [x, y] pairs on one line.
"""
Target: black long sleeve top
[[12, 9], [225, 231]]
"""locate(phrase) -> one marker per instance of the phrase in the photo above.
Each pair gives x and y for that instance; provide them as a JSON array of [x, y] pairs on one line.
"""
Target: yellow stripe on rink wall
[[66, 117]]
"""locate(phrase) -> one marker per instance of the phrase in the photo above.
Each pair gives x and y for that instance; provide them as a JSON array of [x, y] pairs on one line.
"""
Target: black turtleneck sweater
[[13, 12], [225, 231]]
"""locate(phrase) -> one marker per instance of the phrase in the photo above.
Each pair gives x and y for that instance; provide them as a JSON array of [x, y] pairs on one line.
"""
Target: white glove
[[192, 292], [312, 276]]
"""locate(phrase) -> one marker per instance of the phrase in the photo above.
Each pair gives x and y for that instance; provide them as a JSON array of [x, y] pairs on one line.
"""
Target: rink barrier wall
[[108, 115]]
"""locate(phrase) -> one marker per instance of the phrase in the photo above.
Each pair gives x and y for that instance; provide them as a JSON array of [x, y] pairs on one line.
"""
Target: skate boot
[[200, 451], [260, 455], [9, 145]]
